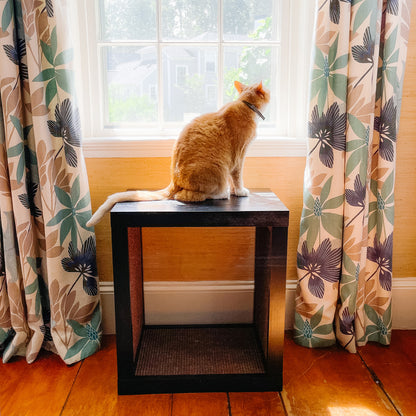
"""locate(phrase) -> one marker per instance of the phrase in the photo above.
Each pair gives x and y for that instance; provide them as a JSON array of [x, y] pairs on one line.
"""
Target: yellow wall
[[232, 249], [283, 175], [404, 240]]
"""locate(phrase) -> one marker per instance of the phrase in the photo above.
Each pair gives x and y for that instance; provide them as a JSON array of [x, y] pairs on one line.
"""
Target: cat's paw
[[223, 195], [241, 192]]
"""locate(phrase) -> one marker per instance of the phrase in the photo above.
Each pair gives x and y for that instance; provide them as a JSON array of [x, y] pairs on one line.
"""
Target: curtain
[[345, 248], [48, 275]]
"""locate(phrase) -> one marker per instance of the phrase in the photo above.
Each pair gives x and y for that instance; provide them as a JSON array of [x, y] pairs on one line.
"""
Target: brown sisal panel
[[136, 284], [204, 350]]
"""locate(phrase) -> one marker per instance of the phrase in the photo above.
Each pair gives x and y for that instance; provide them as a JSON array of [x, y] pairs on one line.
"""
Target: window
[[211, 93], [153, 92], [148, 66], [181, 74]]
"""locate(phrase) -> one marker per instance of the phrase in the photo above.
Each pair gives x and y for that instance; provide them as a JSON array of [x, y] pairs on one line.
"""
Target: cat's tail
[[128, 196]]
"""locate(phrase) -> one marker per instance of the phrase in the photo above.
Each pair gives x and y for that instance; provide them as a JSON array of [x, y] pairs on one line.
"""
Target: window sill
[[120, 147]]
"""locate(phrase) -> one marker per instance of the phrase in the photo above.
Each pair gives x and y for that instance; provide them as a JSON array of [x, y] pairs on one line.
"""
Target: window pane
[[190, 86], [131, 82], [250, 64], [128, 19], [249, 20], [190, 20]]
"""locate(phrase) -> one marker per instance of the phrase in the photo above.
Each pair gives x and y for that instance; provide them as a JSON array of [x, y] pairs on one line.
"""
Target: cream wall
[[180, 255]]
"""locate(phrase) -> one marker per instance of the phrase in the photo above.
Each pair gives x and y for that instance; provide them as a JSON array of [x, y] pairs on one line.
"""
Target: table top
[[261, 208]]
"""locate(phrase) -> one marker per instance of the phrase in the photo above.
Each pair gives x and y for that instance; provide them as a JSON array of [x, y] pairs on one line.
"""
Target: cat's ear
[[259, 89], [238, 86]]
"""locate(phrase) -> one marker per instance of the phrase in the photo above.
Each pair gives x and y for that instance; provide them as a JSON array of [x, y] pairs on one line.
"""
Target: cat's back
[[206, 124], [203, 132], [229, 120]]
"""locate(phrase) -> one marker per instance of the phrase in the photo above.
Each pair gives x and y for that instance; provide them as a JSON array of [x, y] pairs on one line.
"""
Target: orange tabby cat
[[208, 155]]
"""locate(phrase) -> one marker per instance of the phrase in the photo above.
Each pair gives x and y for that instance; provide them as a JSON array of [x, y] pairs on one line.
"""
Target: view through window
[[165, 61]]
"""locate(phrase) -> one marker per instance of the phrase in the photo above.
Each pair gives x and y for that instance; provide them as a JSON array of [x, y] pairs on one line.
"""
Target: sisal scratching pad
[[201, 350]]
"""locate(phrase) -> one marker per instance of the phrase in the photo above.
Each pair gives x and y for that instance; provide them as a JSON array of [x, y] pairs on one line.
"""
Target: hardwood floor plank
[[40, 388], [256, 404], [395, 367], [329, 382], [95, 390], [200, 404]]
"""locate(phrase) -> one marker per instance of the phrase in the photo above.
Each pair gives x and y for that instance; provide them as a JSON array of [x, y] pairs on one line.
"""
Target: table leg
[[269, 294], [261, 284], [277, 299], [128, 296]]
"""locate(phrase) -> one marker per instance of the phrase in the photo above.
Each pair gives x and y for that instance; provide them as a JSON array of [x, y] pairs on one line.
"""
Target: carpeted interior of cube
[[199, 350]]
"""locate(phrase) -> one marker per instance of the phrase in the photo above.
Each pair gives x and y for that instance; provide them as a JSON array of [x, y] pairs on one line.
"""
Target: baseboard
[[404, 305], [220, 302]]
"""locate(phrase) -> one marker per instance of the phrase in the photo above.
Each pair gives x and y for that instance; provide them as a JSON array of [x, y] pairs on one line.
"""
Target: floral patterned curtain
[[346, 231], [48, 275]]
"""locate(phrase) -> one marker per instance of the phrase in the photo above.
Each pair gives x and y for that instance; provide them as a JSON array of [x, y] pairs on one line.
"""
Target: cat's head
[[255, 94]]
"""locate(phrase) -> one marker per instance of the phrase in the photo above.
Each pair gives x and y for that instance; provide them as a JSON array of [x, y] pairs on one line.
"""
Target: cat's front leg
[[237, 187]]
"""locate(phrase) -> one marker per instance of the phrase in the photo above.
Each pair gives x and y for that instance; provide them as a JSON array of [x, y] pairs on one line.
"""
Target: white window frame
[[99, 142]]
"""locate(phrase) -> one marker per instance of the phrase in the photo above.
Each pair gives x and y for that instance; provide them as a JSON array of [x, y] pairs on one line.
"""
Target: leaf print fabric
[[329, 130], [381, 254], [48, 273], [67, 126], [385, 125], [346, 231], [83, 262], [320, 264]]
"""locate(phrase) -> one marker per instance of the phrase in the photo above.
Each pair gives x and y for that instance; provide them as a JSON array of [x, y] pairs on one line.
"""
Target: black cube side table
[[162, 359]]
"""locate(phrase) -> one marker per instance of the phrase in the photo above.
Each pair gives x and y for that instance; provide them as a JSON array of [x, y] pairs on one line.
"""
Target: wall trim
[[119, 147], [231, 302]]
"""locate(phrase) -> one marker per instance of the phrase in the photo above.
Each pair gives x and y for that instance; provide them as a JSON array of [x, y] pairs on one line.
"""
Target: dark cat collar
[[254, 108]]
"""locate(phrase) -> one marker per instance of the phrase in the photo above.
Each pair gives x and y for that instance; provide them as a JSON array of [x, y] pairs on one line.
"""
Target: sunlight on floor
[[350, 411]]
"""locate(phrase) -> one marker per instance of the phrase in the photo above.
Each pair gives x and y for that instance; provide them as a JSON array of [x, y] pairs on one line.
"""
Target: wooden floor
[[377, 381]]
